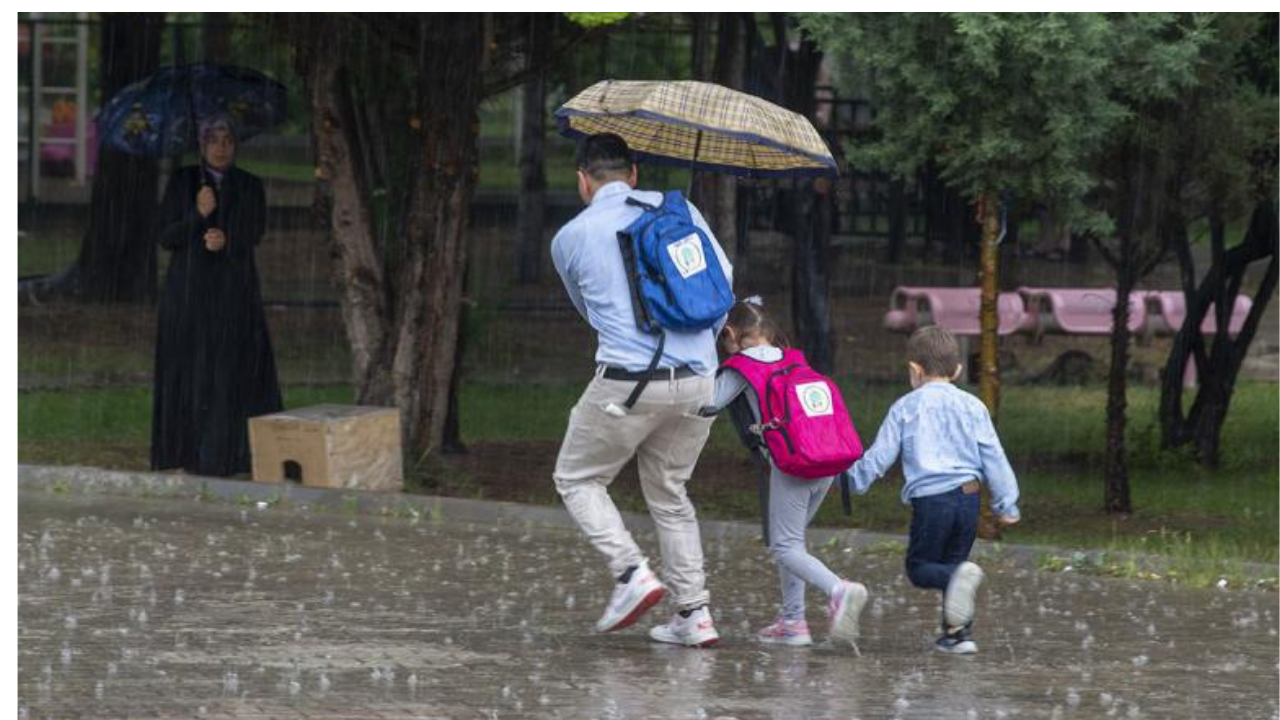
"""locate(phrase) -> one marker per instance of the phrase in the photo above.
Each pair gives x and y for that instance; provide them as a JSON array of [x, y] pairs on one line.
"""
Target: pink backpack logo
[[803, 418]]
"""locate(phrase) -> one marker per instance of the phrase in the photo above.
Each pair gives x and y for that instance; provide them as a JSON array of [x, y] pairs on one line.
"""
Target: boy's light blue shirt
[[946, 438], [586, 255]]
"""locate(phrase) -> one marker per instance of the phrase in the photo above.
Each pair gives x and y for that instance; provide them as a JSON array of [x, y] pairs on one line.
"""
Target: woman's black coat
[[214, 366]]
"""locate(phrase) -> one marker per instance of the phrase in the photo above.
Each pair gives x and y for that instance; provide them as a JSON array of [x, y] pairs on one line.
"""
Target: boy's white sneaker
[[630, 600], [697, 630], [846, 608], [956, 643], [958, 603]]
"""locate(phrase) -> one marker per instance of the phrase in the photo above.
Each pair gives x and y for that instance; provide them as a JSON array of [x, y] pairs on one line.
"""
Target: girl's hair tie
[[753, 300]]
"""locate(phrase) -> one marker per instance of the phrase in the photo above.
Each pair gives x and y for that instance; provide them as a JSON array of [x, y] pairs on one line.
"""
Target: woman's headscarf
[[211, 124]]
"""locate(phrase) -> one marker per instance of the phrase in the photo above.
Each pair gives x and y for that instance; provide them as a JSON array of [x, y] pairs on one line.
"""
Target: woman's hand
[[214, 240], [206, 201]]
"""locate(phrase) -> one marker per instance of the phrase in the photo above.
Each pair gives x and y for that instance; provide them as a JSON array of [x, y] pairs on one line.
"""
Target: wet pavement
[[166, 608]]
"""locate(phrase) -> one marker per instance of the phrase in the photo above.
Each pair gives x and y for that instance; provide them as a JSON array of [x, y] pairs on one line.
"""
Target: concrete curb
[[90, 481]]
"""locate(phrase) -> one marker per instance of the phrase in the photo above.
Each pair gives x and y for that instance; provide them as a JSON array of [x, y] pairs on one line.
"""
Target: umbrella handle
[[206, 182], [693, 164]]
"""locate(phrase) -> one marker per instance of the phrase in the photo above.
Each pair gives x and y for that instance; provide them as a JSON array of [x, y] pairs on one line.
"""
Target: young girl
[[793, 501]]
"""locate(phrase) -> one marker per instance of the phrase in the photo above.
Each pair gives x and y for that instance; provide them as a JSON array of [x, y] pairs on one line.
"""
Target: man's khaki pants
[[666, 435]]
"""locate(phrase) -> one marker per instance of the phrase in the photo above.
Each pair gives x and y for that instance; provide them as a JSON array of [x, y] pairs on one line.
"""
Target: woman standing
[[214, 366]]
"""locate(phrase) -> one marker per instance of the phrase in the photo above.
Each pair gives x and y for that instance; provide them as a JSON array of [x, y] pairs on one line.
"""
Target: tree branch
[[1107, 255], [530, 72]]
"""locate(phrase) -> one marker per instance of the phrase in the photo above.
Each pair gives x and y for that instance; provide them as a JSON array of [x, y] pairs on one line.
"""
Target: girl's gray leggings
[[793, 502]]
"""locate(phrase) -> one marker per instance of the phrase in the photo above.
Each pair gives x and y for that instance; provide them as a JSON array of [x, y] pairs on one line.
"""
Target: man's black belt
[[617, 373]]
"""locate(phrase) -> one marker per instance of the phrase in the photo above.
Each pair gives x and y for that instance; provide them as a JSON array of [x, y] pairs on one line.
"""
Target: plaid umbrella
[[699, 125]]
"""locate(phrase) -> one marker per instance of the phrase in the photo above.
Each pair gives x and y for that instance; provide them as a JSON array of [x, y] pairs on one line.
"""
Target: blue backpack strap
[[673, 201], [633, 200]]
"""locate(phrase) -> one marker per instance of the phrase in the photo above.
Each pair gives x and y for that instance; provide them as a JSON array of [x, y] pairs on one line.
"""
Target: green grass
[[48, 253], [1206, 521], [277, 170], [110, 427]]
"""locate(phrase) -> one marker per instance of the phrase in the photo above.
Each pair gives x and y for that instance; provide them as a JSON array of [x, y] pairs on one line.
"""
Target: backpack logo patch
[[815, 398], [687, 255]]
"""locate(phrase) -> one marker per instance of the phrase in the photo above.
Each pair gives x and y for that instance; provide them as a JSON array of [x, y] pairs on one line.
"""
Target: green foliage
[[999, 101], [596, 19], [1227, 122], [1011, 101]]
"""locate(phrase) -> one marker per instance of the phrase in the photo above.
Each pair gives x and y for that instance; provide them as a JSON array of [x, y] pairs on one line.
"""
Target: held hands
[[214, 240], [206, 201], [1005, 521]]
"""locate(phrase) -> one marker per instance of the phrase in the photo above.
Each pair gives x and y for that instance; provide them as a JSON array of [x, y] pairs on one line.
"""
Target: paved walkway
[[179, 608]]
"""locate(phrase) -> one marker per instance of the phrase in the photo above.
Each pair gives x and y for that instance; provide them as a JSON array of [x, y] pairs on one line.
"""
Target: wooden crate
[[336, 446]]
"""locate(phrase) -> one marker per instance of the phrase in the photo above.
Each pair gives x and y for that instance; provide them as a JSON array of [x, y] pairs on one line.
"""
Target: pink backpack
[[803, 419]]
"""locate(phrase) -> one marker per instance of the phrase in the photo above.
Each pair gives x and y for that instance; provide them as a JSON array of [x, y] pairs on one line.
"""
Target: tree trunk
[[1218, 385], [989, 339], [1116, 499], [812, 207], [810, 282], [1218, 364], [958, 217], [117, 261], [451, 443], [897, 220], [716, 194], [430, 286], [988, 312], [215, 30], [342, 203], [533, 177]]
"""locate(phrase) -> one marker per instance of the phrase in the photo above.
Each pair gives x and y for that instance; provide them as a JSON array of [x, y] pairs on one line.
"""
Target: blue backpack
[[675, 276]]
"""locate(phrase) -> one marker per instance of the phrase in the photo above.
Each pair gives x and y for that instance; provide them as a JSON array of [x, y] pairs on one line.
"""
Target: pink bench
[[953, 308], [1079, 311], [1167, 311]]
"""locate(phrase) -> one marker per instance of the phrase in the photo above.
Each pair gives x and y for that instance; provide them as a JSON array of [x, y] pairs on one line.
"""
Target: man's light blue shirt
[[946, 438], [586, 255]]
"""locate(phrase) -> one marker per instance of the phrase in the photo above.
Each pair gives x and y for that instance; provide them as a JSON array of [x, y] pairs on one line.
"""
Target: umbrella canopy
[[699, 125], [157, 116]]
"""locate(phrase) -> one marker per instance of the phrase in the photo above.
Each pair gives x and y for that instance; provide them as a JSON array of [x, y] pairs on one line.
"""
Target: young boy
[[948, 446]]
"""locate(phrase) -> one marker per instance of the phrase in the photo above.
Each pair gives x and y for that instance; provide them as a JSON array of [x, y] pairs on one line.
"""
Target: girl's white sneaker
[[786, 632], [846, 608]]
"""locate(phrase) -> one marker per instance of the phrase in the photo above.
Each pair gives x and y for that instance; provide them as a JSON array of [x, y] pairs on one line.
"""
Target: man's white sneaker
[[697, 630], [958, 603], [631, 600], [846, 607]]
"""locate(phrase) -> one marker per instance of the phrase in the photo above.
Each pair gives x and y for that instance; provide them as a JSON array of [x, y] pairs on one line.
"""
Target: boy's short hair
[[935, 350], [604, 155]]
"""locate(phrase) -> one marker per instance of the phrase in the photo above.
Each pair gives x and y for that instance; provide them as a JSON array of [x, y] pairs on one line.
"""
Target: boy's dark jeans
[[943, 528]]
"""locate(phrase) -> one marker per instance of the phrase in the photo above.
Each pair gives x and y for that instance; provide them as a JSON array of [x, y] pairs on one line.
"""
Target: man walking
[[663, 430]]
